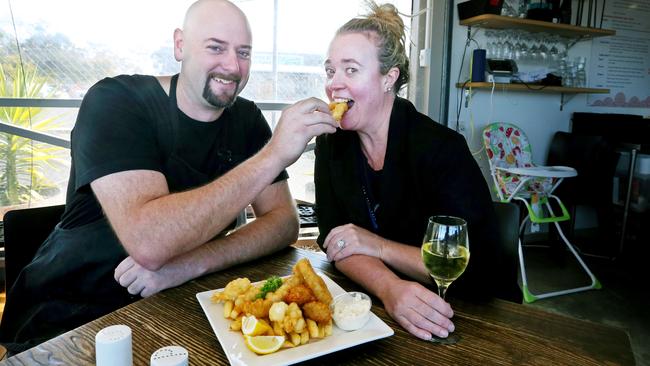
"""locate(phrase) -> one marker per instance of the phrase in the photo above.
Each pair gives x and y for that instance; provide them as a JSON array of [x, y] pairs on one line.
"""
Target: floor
[[621, 302]]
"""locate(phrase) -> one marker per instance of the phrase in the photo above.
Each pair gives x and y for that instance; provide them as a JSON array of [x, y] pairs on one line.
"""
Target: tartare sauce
[[351, 312]]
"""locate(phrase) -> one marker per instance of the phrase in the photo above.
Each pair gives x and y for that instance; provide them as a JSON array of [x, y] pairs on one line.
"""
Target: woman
[[386, 171]]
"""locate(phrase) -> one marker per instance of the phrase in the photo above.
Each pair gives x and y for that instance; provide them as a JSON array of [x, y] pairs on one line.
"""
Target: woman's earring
[[388, 89]]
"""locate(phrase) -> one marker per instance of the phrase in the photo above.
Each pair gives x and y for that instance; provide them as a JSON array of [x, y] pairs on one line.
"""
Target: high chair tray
[[543, 171]]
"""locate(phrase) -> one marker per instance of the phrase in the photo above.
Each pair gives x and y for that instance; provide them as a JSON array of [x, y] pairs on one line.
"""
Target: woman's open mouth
[[349, 102]]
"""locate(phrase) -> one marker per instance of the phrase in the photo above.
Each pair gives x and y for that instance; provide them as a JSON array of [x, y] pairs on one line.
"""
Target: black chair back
[[508, 221], [595, 160], [25, 230]]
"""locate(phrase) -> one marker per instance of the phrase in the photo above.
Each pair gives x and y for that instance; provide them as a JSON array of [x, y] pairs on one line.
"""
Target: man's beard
[[223, 101]]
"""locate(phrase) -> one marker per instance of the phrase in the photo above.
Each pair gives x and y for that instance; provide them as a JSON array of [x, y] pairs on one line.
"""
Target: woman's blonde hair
[[385, 22]]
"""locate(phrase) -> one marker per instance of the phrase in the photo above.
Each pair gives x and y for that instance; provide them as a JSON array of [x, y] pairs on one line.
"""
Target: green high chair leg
[[530, 297]]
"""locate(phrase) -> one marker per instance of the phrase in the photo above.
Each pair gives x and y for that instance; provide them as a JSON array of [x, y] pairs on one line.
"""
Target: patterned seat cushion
[[508, 147]]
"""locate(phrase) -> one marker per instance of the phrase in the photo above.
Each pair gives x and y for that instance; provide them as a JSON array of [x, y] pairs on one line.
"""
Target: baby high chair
[[516, 177]]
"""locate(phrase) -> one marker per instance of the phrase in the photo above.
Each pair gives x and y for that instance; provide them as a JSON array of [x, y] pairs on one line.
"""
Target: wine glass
[[445, 253]]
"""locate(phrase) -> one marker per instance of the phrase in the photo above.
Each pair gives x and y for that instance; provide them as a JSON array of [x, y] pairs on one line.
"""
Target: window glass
[[66, 46]]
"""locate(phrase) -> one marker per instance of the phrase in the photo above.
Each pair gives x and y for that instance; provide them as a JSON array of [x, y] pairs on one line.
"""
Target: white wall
[[538, 114]]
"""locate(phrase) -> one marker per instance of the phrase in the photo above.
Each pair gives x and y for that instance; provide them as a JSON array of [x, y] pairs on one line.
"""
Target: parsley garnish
[[272, 283]]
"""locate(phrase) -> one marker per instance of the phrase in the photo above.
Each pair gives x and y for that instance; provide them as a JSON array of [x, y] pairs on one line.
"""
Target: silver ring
[[340, 243]]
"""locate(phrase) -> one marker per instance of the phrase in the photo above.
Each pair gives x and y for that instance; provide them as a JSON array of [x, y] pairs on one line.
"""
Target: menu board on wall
[[621, 63]]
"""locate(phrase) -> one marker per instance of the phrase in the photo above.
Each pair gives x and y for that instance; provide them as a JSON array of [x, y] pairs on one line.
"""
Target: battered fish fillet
[[304, 269], [250, 294], [317, 311], [287, 284], [338, 109], [300, 294], [259, 308], [233, 289]]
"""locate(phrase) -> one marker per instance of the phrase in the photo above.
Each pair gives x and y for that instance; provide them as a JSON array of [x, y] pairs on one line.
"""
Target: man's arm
[[275, 227], [155, 226]]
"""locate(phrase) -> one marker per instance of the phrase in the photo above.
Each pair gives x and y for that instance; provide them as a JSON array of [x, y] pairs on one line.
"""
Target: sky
[[304, 26], [122, 24]]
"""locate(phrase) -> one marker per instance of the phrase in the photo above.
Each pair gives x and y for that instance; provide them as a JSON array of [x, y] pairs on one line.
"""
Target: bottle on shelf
[[565, 12], [581, 73]]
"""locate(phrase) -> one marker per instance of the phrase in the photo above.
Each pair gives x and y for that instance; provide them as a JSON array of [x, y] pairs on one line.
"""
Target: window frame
[[428, 88]]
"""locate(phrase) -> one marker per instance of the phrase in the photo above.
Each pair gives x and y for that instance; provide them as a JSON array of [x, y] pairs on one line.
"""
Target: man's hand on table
[[141, 281]]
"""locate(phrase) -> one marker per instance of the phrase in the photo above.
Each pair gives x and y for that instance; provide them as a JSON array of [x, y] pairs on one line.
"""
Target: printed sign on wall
[[621, 63]]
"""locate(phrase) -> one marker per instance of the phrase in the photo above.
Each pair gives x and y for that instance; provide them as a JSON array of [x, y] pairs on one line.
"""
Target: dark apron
[[70, 280]]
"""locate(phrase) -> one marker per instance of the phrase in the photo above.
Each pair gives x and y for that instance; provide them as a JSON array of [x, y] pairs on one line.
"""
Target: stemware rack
[[575, 33], [493, 21]]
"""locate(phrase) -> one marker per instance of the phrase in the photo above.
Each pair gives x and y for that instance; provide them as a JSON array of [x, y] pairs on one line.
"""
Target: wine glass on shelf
[[445, 253], [490, 44], [543, 49], [508, 47], [522, 48], [534, 49]]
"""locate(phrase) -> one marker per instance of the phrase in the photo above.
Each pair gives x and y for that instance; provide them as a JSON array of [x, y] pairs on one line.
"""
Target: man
[[161, 167]]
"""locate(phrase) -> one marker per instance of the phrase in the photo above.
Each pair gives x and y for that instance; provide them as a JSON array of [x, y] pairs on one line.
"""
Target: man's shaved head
[[214, 48], [209, 8]]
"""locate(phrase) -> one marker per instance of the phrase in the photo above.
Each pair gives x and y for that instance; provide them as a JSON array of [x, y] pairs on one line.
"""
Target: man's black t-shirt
[[115, 131], [124, 123]]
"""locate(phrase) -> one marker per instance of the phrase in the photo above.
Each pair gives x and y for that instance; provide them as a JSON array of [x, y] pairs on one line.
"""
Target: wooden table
[[496, 332]]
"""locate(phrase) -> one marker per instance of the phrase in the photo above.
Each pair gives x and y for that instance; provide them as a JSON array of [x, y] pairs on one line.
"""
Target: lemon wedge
[[254, 327], [263, 345]]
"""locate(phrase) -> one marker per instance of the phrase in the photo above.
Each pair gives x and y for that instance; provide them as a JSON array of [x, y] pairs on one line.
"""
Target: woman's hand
[[141, 281], [417, 309], [346, 240]]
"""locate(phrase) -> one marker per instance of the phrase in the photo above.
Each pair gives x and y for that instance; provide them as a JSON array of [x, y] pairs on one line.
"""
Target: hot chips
[[236, 325], [283, 319], [312, 327], [227, 308]]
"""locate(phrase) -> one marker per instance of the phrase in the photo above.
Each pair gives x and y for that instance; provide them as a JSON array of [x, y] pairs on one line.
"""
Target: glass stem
[[442, 291]]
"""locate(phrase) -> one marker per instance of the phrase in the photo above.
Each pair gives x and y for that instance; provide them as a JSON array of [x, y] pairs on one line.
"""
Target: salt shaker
[[113, 346], [170, 356]]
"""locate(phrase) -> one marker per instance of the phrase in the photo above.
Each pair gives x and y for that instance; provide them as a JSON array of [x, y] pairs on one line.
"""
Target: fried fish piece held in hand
[[338, 108]]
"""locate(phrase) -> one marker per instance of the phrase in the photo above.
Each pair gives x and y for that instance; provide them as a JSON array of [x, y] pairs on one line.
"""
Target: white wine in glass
[[445, 253]]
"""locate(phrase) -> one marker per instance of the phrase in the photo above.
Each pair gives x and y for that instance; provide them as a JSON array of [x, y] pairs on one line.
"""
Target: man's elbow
[[287, 219], [292, 225], [147, 257], [293, 231]]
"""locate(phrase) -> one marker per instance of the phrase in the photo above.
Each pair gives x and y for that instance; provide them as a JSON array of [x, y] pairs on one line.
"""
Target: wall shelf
[[566, 93], [533, 88], [493, 21], [575, 33]]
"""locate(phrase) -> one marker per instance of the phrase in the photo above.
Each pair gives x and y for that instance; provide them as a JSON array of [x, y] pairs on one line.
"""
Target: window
[[65, 49]]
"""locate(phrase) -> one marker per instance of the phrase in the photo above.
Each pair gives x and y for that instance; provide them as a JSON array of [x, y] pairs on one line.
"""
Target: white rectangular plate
[[238, 354]]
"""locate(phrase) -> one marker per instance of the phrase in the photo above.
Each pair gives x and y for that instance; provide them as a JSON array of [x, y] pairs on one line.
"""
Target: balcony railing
[[70, 103]]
